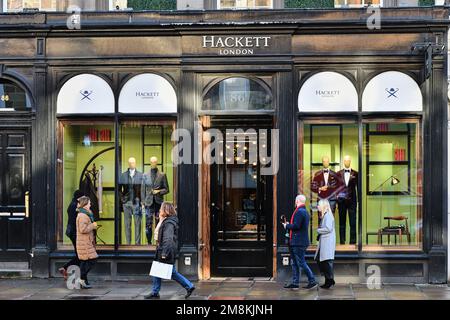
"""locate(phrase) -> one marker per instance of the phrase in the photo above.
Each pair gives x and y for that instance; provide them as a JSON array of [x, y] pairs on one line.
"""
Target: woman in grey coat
[[327, 243]]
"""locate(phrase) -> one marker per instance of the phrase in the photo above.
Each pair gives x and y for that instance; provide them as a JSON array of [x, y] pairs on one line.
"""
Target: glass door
[[241, 209]]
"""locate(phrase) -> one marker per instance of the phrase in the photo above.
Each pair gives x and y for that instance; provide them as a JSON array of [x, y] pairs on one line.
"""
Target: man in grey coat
[[154, 187]]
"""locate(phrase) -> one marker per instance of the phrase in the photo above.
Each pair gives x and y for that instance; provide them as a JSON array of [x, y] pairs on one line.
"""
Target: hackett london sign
[[236, 45]]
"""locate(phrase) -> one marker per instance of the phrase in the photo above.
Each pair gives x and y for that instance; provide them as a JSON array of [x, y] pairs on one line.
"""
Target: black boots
[[328, 284]]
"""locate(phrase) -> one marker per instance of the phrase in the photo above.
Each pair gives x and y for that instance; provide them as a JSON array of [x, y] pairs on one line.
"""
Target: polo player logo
[[392, 92], [86, 94]]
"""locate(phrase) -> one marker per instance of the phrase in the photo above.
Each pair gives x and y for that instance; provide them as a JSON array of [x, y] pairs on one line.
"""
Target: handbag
[[161, 270]]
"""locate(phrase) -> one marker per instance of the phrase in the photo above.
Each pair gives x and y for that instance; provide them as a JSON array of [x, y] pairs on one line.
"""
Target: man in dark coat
[[347, 200], [154, 187], [298, 243], [71, 231], [130, 195]]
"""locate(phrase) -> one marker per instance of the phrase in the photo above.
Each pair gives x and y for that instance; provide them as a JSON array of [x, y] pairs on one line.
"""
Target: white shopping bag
[[161, 270]]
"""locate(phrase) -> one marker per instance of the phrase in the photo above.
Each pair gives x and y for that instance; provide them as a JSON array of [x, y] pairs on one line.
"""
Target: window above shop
[[13, 97], [238, 94], [328, 92], [148, 93], [85, 94], [245, 4], [392, 91]]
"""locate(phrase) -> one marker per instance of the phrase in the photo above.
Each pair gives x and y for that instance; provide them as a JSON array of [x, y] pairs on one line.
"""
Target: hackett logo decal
[[327, 93], [86, 95], [392, 92], [236, 45], [147, 95]]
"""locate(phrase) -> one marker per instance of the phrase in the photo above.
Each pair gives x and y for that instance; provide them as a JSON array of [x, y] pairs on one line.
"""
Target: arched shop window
[[238, 94], [392, 91], [328, 92], [148, 93], [13, 97], [85, 94]]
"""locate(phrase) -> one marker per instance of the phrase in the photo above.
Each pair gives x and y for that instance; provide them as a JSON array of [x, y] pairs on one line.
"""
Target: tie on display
[[347, 170], [325, 170]]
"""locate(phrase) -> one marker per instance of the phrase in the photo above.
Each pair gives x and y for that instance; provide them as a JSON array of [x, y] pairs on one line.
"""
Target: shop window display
[[329, 160], [88, 161], [390, 178], [392, 197], [146, 179]]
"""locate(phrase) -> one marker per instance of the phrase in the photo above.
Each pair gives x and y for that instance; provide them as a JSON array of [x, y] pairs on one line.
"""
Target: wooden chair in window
[[395, 231]]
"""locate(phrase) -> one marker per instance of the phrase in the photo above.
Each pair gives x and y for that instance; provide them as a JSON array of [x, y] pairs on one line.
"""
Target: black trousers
[[345, 206], [75, 261], [85, 267], [326, 268]]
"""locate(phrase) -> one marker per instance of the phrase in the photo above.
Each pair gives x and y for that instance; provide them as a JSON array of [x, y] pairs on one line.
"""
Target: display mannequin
[[326, 183], [347, 200], [130, 194], [154, 187]]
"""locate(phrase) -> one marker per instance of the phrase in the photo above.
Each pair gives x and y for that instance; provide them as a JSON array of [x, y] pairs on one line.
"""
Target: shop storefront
[[231, 121]]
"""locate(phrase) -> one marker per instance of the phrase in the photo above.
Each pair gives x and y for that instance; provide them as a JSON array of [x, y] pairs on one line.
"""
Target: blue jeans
[[298, 261], [178, 277]]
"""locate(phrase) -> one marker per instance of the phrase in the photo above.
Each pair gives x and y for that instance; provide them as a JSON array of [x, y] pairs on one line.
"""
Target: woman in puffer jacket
[[166, 234], [86, 227]]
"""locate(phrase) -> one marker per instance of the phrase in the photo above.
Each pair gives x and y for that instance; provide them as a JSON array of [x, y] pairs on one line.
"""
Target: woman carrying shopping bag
[[327, 243], [166, 235]]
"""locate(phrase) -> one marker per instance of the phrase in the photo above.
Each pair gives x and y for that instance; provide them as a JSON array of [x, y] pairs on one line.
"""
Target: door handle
[[27, 204]]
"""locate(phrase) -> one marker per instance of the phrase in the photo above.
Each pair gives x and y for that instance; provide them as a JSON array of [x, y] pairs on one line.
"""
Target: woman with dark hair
[[71, 231], [166, 234]]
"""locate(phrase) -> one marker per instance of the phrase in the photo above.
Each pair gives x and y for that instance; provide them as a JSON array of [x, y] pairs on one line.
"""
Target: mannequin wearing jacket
[[154, 187], [326, 183], [347, 200]]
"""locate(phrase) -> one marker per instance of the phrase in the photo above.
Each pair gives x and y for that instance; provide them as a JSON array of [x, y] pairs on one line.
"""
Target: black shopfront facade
[[306, 89]]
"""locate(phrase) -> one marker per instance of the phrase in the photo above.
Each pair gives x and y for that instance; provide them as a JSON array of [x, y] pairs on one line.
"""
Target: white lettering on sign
[[236, 45]]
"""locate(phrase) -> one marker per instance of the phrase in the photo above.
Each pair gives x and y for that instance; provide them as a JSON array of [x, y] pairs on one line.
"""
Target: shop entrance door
[[14, 194], [241, 209]]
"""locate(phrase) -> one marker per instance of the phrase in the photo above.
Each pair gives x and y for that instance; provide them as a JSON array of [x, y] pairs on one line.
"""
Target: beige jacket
[[85, 238]]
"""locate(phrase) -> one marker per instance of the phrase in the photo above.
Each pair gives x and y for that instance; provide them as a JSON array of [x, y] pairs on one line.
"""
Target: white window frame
[[362, 5], [243, 8], [5, 6]]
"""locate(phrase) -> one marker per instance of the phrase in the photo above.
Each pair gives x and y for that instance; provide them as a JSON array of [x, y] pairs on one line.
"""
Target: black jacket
[[348, 193], [168, 241], [71, 230], [130, 188], [148, 185]]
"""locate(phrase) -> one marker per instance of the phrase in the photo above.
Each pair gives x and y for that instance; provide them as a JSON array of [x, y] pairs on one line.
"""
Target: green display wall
[[133, 141]]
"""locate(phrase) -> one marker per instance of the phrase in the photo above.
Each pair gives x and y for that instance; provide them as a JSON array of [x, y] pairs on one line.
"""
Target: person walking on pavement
[[327, 243], [298, 243], [166, 235], [86, 227], [71, 232]]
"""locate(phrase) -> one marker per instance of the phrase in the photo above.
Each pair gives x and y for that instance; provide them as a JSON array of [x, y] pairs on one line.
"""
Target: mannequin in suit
[[347, 200], [326, 183], [154, 187]]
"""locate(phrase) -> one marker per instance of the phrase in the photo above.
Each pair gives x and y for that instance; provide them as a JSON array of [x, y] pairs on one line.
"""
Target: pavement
[[56, 289]]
